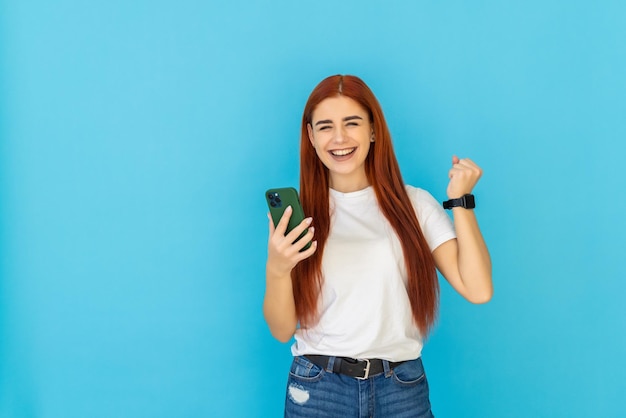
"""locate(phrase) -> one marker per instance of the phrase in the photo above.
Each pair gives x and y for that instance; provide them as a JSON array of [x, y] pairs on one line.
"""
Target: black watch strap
[[465, 201]]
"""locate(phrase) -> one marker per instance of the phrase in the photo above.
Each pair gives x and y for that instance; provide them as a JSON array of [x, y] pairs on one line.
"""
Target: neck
[[347, 185]]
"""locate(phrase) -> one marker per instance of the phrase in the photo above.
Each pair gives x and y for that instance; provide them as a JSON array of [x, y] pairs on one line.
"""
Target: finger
[[471, 166], [271, 226], [308, 252], [455, 171], [305, 240], [455, 159], [463, 164], [464, 174], [466, 162], [297, 231], [284, 220]]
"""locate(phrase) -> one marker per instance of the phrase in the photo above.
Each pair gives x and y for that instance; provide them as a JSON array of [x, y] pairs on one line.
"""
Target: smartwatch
[[465, 201]]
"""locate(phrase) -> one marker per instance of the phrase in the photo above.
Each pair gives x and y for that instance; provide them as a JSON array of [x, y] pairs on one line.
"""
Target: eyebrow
[[347, 118]]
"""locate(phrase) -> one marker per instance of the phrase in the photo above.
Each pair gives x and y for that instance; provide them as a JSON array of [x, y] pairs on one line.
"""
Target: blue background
[[137, 139]]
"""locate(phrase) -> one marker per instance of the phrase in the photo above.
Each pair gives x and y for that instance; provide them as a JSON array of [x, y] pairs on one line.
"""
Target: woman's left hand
[[463, 175]]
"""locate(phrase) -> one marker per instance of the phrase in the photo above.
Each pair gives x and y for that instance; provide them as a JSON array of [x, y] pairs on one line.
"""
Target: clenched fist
[[463, 175]]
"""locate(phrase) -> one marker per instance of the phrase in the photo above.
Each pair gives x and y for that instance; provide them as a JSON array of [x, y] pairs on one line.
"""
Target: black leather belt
[[360, 369]]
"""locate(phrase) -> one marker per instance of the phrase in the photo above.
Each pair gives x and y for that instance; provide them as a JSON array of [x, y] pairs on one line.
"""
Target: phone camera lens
[[273, 204], [277, 199], [270, 196]]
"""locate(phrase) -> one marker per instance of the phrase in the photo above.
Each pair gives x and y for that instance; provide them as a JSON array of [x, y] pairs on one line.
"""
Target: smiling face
[[341, 132]]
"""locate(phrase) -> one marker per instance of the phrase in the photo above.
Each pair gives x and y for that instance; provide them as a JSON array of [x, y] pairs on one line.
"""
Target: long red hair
[[383, 173]]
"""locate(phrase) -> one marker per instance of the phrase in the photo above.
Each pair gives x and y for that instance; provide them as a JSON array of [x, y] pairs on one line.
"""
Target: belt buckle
[[367, 370]]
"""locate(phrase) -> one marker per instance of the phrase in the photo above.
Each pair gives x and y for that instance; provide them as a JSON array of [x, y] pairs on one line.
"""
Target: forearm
[[473, 256], [279, 307]]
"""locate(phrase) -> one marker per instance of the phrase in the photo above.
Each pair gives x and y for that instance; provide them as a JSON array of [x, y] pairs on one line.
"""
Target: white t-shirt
[[364, 307]]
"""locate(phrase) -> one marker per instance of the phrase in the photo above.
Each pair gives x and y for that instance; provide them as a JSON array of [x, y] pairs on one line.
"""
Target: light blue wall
[[137, 139]]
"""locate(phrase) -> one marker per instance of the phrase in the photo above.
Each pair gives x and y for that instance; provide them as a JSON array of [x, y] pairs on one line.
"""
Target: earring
[[372, 138]]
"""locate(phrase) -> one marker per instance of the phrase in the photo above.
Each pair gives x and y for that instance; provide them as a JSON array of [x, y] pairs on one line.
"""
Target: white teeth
[[342, 152]]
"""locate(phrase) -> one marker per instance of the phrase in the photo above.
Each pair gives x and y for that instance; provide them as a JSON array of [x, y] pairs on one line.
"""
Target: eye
[[352, 124], [324, 128]]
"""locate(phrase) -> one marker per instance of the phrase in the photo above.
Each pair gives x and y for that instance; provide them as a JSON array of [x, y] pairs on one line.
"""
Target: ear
[[309, 129]]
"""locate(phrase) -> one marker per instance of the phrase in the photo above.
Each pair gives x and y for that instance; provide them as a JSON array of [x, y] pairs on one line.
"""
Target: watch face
[[468, 201]]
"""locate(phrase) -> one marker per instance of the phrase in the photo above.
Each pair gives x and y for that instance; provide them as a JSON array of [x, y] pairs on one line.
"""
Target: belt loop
[[331, 364], [387, 368]]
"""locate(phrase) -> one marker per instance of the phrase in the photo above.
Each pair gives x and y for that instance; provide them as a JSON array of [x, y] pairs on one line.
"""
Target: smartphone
[[278, 200]]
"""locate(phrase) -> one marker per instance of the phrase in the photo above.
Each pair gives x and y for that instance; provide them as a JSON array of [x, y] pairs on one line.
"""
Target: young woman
[[363, 297]]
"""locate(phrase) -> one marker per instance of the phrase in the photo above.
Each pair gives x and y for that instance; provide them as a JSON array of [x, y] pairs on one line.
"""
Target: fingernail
[[312, 229], [309, 220]]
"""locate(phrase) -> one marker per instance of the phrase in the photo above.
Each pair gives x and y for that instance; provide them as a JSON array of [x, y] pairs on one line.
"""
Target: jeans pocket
[[409, 373], [304, 370]]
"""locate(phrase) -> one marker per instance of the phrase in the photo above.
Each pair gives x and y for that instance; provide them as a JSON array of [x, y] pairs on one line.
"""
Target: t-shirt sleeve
[[436, 225]]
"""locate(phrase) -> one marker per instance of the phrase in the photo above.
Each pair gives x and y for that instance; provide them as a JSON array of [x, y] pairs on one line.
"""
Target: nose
[[340, 135]]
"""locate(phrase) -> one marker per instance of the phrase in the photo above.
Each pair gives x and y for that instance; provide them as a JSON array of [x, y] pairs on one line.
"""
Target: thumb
[[455, 159], [271, 225]]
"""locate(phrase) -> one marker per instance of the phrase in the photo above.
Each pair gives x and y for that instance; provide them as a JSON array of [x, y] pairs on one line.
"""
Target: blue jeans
[[316, 392]]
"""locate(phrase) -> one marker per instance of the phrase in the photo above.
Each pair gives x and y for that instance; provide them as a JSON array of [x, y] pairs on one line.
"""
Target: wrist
[[277, 274], [466, 201]]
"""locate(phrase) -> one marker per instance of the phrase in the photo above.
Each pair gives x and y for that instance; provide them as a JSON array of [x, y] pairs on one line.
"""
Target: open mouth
[[342, 152]]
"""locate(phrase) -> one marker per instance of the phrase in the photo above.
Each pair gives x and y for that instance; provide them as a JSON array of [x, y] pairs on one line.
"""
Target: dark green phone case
[[278, 200]]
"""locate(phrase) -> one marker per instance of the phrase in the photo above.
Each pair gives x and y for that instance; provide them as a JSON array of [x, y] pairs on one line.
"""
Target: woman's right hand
[[282, 252]]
